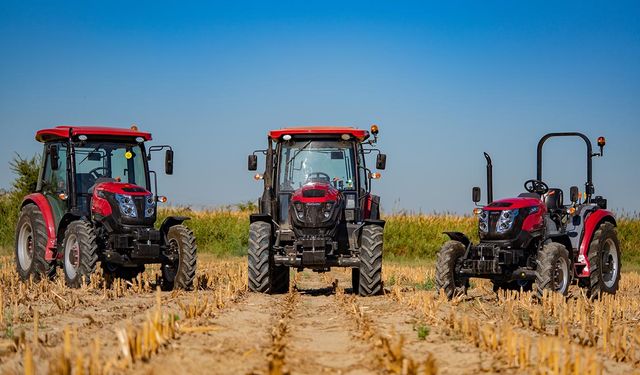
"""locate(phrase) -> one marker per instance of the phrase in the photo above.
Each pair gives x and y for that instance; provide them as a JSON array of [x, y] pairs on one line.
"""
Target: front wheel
[[180, 273], [446, 279], [604, 261], [80, 253], [370, 272], [553, 271]]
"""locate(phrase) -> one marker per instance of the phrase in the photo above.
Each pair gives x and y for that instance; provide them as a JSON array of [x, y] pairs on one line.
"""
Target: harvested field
[[319, 327]]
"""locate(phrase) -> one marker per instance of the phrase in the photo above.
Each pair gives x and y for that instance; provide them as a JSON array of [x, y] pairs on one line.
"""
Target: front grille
[[313, 214], [140, 206]]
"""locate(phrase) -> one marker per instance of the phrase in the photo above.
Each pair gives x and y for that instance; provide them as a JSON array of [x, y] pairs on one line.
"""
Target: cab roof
[[62, 132], [360, 134]]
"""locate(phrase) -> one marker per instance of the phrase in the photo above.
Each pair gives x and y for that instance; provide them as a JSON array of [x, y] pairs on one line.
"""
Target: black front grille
[[313, 214], [140, 206]]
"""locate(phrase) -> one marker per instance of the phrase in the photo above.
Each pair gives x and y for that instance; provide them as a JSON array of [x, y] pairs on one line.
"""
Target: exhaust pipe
[[489, 179]]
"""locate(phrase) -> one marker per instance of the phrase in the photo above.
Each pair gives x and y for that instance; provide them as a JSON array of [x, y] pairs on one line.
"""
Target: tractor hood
[[123, 203], [316, 209], [316, 192], [513, 203]]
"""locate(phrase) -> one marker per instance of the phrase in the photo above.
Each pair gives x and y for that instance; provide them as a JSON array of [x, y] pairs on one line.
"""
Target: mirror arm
[[155, 148]]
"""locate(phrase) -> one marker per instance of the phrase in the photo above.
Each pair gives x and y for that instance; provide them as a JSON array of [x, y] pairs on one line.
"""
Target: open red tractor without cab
[[317, 210], [537, 239], [93, 203]]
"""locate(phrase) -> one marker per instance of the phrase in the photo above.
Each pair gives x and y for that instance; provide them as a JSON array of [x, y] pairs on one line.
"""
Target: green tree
[[27, 171]]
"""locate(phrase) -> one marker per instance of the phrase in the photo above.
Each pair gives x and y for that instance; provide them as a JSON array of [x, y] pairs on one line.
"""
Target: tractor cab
[[317, 196]]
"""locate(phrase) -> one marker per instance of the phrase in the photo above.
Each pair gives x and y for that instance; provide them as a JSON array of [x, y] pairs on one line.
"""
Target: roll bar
[[589, 189]]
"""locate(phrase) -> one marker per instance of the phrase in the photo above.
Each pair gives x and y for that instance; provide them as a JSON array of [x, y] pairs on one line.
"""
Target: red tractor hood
[[513, 203], [121, 188], [316, 192]]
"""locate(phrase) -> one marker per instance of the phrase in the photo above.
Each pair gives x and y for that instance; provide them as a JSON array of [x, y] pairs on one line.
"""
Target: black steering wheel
[[318, 177], [536, 186], [94, 172]]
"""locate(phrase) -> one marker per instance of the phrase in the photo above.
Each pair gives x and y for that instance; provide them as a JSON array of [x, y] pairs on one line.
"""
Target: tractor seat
[[529, 195], [554, 199]]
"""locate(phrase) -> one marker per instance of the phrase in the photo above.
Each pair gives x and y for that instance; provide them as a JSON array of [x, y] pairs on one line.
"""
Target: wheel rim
[[610, 263], [25, 246], [170, 269], [72, 256], [560, 275]]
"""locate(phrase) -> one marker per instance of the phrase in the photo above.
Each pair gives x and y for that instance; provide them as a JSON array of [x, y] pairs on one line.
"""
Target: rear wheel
[[446, 279], [31, 245], [553, 270], [370, 272], [80, 253], [180, 273], [604, 261]]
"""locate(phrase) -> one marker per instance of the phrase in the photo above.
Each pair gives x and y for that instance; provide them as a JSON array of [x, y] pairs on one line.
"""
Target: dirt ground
[[319, 327]]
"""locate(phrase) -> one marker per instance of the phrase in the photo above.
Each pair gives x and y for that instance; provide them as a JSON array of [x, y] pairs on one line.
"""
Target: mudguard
[[591, 224], [171, 221], [374, 222], [460, 237], [49, 222]]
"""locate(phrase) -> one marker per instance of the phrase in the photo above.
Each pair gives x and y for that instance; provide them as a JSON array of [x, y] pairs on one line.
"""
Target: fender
[[171, 221], [43, 205], [592, 222], [253, 218], [460, 237], [380, 223]]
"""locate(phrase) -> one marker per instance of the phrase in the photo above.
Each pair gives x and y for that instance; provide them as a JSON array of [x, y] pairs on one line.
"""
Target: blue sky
[[444, 81]]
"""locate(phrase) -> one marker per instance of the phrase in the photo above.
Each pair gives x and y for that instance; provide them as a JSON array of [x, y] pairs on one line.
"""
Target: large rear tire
[[605, 261], [553, 270], [180, 273], [80, 253], [31, 245], [370, 273], [446, 278]]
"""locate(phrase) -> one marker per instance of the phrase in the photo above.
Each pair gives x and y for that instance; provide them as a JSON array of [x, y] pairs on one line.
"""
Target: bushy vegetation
[[26, 171]]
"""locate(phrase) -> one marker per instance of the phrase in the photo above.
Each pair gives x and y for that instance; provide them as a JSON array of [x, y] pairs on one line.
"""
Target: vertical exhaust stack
[[489, 179]]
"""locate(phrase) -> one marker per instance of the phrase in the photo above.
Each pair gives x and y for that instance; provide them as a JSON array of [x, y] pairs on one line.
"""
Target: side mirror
[[252, 163], [476, 195], [381, 161], [574, 194], [168, 162], [55, 158]]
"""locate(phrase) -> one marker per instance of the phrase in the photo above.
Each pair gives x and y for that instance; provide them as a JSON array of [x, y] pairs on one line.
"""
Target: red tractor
[[93, 203], [537, 239], [317, 210]]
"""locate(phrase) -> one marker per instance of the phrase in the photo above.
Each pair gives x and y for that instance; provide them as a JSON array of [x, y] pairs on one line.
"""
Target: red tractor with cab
[[537, 239], [317, 210], [93, 203]]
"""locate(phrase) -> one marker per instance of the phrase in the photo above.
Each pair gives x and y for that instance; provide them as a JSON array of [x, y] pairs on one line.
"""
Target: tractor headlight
[[299, 208], [483, 221], [126, 204], [506, 220], [149, 206]]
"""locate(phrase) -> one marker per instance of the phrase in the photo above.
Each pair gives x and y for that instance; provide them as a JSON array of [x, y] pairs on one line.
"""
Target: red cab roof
[[314, 130], [62, 132]]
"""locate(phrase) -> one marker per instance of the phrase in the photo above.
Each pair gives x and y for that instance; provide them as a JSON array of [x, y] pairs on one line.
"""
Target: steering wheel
[[94, 172], [536, 186], [318, 177]]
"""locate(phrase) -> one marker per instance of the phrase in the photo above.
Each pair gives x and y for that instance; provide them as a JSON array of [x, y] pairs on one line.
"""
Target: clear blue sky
[[445, 82]]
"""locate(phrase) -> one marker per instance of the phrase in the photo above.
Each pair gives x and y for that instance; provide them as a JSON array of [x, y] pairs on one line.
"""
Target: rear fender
[[171, 221], [253, 218], [460, 237], [591, 224], [43, 205]]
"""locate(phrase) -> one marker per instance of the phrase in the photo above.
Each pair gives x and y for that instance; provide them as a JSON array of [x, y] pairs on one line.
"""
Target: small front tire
[[446, 279], [553, 270], [180, 273], [80, 253], [370, 272]]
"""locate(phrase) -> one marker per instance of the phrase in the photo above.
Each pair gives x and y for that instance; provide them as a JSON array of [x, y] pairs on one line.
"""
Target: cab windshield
[[117, 161], [306, 161]]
